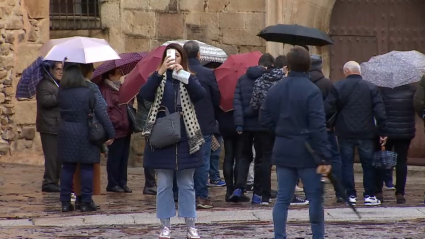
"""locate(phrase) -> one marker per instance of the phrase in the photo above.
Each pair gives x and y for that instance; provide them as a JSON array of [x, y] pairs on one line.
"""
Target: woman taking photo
[[75, 98], [168, 94]]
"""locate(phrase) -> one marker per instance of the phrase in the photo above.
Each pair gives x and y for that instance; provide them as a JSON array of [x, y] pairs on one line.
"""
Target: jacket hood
[[273, 75], [316, 75], [255, 72]]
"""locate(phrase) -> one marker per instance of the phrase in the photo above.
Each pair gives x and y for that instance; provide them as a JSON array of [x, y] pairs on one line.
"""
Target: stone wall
[[24, 27]]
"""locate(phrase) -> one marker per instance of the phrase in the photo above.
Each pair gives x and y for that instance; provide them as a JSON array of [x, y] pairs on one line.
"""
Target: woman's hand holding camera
[[168, 63]]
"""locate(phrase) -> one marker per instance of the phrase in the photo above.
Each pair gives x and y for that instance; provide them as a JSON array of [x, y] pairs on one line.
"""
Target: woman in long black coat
[[186, 155], [74, 146]]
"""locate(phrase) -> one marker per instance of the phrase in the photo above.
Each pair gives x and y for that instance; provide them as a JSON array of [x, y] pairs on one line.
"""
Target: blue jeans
[[366, 148], [165, 206], [215, 161], [201, 173], [67, 176], [287, 179], [336, 159]]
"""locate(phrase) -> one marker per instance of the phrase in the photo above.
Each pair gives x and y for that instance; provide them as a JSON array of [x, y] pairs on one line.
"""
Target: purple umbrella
[[30, 78], [127, 63]]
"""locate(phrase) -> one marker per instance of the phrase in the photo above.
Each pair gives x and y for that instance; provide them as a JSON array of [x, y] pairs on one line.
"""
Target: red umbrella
[[139, 75], [127, 63], [228, 74]]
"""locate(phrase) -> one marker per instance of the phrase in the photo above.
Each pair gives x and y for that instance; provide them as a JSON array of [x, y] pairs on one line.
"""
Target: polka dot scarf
[[193, 131]]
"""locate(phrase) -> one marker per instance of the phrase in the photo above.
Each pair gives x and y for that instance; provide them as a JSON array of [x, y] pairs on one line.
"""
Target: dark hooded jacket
[[244, 117], [317, 77], [262, 86]]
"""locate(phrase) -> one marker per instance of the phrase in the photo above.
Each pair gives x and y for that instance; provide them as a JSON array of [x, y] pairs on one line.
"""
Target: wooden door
[[365, 28]]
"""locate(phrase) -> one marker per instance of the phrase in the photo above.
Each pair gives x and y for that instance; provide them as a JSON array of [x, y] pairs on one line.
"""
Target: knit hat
[[316, 62]]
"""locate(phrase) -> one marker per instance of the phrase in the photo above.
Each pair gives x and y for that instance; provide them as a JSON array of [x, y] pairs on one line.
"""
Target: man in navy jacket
[[205, 109], [294, 111]]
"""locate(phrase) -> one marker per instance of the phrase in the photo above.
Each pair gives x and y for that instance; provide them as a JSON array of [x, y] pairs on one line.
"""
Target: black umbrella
[[295, 35], [337, 185]]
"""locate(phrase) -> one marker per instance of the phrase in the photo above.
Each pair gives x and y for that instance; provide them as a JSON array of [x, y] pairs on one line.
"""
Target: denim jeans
[[267, 139], [287, 179], [165, 206], [215, 161], [366, 148], [201, 173], [231, 160], [336, 159]]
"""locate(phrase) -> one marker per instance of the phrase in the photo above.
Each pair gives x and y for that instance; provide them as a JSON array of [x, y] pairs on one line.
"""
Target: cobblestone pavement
[[400, 230], [21, 198]]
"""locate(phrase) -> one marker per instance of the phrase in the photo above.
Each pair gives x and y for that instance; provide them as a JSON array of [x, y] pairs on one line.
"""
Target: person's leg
[[201, 173], [258, 162], [150, 182], [266, 166], [314, 190], [86, 182], [388, 178], [113, 165], [68, 170], [124, 164], [287, 179], [402, 149], [366, 148], [245, 160], [335, 160], [51, 163], [165, 207], [346, 148], [215, 179], [187, 200], [229, 160]]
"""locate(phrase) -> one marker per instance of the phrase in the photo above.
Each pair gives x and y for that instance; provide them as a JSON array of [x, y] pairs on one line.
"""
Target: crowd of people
[[279, 105]]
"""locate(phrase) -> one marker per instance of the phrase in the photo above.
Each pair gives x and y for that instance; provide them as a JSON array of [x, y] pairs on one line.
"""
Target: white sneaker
[[192, 233], [165, 233], [371, 201], [298, 189], [352, 200]]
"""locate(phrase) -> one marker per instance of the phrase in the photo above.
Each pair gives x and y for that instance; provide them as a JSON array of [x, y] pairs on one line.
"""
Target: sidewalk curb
[[375, 214]]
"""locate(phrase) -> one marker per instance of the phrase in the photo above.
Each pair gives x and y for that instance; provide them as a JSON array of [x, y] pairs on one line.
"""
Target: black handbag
[[97, 134], [166, 131], [135, 128]]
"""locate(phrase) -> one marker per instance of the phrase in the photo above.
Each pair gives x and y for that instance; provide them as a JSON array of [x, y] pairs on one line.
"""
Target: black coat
[[400, 112], [225, 122], [293, 109], [324, 84], [174, 157], [244, 116], [73, 143], [205, 108], [356, 115], [47, 107]]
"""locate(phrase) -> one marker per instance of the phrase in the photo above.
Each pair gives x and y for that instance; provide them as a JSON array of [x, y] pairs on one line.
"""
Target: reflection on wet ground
[[399, 230], [21, 196]]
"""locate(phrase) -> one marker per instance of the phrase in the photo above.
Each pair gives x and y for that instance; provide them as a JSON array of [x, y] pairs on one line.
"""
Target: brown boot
[[204, 203], [400, 199]]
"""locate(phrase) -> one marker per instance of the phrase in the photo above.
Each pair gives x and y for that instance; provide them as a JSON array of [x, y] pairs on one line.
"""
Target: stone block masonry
[[24, 27]]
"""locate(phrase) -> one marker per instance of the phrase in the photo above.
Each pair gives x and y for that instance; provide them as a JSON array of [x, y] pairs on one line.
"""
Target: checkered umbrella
[[30, 78], [127, 63], [208, 53]]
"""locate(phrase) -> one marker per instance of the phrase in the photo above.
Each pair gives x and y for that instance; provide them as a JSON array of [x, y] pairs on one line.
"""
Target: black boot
[[67, 207], [88, 207], [78, 203]]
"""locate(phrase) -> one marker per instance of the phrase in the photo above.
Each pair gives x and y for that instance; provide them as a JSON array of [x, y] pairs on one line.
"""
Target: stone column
[[274, 15]]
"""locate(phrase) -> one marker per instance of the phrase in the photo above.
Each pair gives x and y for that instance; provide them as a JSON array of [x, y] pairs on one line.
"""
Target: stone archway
[[312, 13]]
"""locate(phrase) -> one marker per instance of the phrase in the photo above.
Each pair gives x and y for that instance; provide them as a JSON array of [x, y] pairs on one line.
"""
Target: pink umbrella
[[127, 63]]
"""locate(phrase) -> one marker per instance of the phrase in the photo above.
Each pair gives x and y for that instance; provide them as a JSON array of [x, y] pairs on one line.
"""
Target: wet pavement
[[21, 198]]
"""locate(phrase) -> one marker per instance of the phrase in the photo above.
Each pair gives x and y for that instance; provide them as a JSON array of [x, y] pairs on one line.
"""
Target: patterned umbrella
[[394, 69], [127, 63], [30, 78], [208, 53]]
